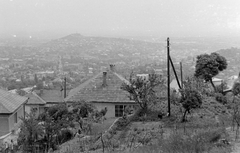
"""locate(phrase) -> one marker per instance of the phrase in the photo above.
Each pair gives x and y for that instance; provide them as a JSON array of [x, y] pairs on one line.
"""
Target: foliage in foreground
[[30, 132], [199, 142], [190, 97]]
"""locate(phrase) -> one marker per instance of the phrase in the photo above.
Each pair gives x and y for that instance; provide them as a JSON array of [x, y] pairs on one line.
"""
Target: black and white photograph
[[119, 76]]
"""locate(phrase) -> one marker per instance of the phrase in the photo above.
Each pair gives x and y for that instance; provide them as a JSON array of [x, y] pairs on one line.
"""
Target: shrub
[[221, 98], [150, 116], [122, 123], [199, 142], [65, 136]]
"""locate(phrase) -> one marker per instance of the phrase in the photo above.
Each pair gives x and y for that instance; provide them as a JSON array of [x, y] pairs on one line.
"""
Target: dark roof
[[9, 102], [94, 91], [55, 95], [35, 99]]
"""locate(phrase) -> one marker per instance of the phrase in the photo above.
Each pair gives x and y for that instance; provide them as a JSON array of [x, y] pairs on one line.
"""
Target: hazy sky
[[121, 17]]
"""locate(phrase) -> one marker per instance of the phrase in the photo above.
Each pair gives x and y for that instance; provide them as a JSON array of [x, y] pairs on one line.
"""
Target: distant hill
[[233, 58], [230, 53], [102, 48]]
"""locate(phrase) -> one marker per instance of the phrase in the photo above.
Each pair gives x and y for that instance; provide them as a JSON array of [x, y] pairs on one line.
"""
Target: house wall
[[110, 108], [39, 109], [4, 126], [12, 124], [217, 83]]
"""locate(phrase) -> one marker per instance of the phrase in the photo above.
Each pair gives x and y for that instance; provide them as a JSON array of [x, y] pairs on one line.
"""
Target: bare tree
[[142, 90]]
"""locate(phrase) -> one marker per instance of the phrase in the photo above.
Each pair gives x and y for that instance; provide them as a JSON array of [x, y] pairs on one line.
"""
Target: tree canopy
[[142, 90], [191, 96], [208, 66]]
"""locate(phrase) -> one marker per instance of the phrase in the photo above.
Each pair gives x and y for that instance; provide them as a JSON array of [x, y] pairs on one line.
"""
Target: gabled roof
[[216, 79], [54, 95], [94, 91], [9, 102], [34, 99]]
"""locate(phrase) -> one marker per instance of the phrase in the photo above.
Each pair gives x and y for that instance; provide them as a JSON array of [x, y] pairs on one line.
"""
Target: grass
[[200, 134], [200, 141], [98, 127], [75, 145]]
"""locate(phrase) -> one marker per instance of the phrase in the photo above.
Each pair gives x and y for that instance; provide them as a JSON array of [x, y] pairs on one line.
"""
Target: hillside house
[[35, 103], [217, 81], [52, 96], [12, 107], [104, 90]]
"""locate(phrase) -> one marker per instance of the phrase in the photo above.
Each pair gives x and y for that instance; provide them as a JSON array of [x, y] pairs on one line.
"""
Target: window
[[15, 118], [119, 109]]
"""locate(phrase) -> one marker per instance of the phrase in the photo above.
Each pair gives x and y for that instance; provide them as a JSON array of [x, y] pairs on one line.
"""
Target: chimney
[[41, 92], [112, 67], [104, 79]]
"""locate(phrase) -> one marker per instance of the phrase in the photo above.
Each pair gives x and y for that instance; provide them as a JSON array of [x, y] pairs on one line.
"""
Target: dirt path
[[236, 144]]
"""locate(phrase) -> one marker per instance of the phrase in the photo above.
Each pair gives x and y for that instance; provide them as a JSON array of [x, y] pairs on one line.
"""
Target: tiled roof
[[55, 95], [9, 102], [93, 89], [35, 99]]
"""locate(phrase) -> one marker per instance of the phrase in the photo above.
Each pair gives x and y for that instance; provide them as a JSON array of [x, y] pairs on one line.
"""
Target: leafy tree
[[81, 110], [208, 66], [21, 92], [191, 98], [12, 86], [236, 88], [30, 132], [55, 119], [36, 78], [142, 90], [223, 86], [236, 104], [39, 86]]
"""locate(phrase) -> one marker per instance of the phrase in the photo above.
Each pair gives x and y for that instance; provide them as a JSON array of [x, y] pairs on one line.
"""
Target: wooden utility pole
[[175, 73], [181, 74], [168, 76], [65, 88]]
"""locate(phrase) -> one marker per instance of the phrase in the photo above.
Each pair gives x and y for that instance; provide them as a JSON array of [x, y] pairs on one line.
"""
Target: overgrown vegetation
[[142, 90], [55, 126], [208, 66]]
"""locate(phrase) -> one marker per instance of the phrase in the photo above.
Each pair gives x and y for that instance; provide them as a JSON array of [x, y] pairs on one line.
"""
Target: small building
[[12, 108], [217, 81], [174, 85], [104, 91], [52, 96], [35, 103]]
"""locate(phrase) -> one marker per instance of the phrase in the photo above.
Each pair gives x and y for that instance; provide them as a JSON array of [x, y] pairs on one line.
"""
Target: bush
[[122, 123], [221, 98], [150, 116], [200, 142], [65, 136]]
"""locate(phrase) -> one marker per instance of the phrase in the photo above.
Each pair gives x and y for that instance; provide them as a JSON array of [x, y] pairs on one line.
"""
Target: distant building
[[52, 96], [143, 76], [217, 81], [174, 85], [231, 81]]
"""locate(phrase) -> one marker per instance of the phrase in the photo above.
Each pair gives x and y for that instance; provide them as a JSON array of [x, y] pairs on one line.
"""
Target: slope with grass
[[203, 131]]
